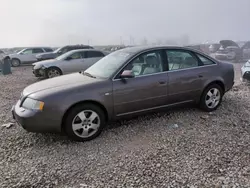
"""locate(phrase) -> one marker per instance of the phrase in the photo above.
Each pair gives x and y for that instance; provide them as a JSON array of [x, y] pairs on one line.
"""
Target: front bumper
[[33, 121], [39, 72]]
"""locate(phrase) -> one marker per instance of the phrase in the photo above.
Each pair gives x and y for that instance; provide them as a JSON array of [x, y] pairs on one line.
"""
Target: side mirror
[[127, 74], [68, 58]]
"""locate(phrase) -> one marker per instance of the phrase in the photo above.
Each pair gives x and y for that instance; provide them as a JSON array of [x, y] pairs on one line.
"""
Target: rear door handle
[[200, 76]]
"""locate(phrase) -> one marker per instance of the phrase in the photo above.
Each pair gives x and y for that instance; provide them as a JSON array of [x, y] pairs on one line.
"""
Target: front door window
[[148, 63]]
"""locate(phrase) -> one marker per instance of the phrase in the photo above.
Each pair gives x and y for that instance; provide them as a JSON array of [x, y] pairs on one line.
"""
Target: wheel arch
[[81, 103], [218, 82], [55, 67], [15, 58]]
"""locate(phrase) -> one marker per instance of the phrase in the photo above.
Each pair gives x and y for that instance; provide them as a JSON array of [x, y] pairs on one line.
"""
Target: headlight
[[39, 66], [33, 104]]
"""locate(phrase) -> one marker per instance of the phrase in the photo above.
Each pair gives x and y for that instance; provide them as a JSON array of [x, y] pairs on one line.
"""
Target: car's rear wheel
[[53, 72], [84, 122], [15, 62], [211, 98]]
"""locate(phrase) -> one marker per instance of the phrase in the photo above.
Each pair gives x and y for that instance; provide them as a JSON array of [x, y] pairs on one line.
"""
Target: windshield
[[108, 65], [57, 50], [63, 56], [20, 51]]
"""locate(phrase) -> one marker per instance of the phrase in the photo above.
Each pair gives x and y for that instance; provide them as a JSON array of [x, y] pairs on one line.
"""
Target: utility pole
[[121, 41], [69, 39]]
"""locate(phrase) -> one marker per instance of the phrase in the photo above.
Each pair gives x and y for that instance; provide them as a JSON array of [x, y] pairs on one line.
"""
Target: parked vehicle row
[[230, 50], [27, 55], [126, 82], [31, 55], [61, 51]]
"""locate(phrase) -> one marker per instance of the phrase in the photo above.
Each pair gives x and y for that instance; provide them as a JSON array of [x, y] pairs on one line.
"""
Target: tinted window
[[205, 60], [48, 50], [148, 63], [28, 51], [178, 59], [37, 50], [91, 54], [76, 55]]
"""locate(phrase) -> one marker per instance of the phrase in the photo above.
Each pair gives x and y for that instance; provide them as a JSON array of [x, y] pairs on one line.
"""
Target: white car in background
[[27, 55], [72, 61], [245, 71]]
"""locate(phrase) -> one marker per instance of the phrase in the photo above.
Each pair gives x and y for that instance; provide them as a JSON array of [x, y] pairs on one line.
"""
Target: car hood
[[44, 62], [66, 81], [47, 54], [226, 43]]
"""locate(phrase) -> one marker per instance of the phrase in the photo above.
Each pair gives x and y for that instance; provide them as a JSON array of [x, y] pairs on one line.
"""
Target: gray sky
[[60, 22]]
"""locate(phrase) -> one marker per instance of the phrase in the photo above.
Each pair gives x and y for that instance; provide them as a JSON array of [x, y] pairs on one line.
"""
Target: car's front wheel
[[84, 122], [53, 72], [15, 62], [211, 98]]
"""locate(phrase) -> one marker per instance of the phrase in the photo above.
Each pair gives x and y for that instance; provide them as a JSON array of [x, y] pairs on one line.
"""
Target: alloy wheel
[[15, 63], [53, 73], [212, 98], [86, 123]]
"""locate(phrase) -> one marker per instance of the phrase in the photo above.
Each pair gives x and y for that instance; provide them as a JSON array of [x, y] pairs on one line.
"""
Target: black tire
[[205, 97], [15, 62], [55, 69], [68, 127]]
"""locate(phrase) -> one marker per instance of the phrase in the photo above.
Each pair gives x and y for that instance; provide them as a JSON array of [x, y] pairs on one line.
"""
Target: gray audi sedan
[[126, 82]]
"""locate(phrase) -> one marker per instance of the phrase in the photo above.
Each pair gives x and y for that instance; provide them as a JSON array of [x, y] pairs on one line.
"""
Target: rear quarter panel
[[223, 72]]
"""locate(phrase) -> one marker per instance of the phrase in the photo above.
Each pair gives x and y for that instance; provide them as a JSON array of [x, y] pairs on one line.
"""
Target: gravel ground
[[178, 148]]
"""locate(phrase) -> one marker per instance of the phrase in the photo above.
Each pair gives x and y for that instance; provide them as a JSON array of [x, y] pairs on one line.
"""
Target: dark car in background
[[230, 50], [60, 51]]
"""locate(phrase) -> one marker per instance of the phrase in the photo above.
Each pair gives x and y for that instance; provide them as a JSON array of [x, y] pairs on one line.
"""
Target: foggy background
[[103, 22]]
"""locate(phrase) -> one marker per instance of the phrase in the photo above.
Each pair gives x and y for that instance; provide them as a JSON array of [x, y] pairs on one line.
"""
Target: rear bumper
[[33, 121]]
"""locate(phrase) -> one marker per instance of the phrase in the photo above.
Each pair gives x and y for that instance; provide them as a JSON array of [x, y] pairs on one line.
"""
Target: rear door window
[[93, 54], [179, 59], [37, 50]]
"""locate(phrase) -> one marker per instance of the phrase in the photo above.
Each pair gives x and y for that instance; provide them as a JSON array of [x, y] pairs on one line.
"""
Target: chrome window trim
[[133, 58], [164, 48]]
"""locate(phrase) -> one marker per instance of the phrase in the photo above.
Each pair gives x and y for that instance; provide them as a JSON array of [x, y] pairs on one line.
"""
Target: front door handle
[[162, 82], [200, 76]]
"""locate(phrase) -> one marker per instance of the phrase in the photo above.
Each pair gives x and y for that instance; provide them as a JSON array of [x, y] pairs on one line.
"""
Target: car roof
[[36, 47], [83, 50], [137, 49]]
